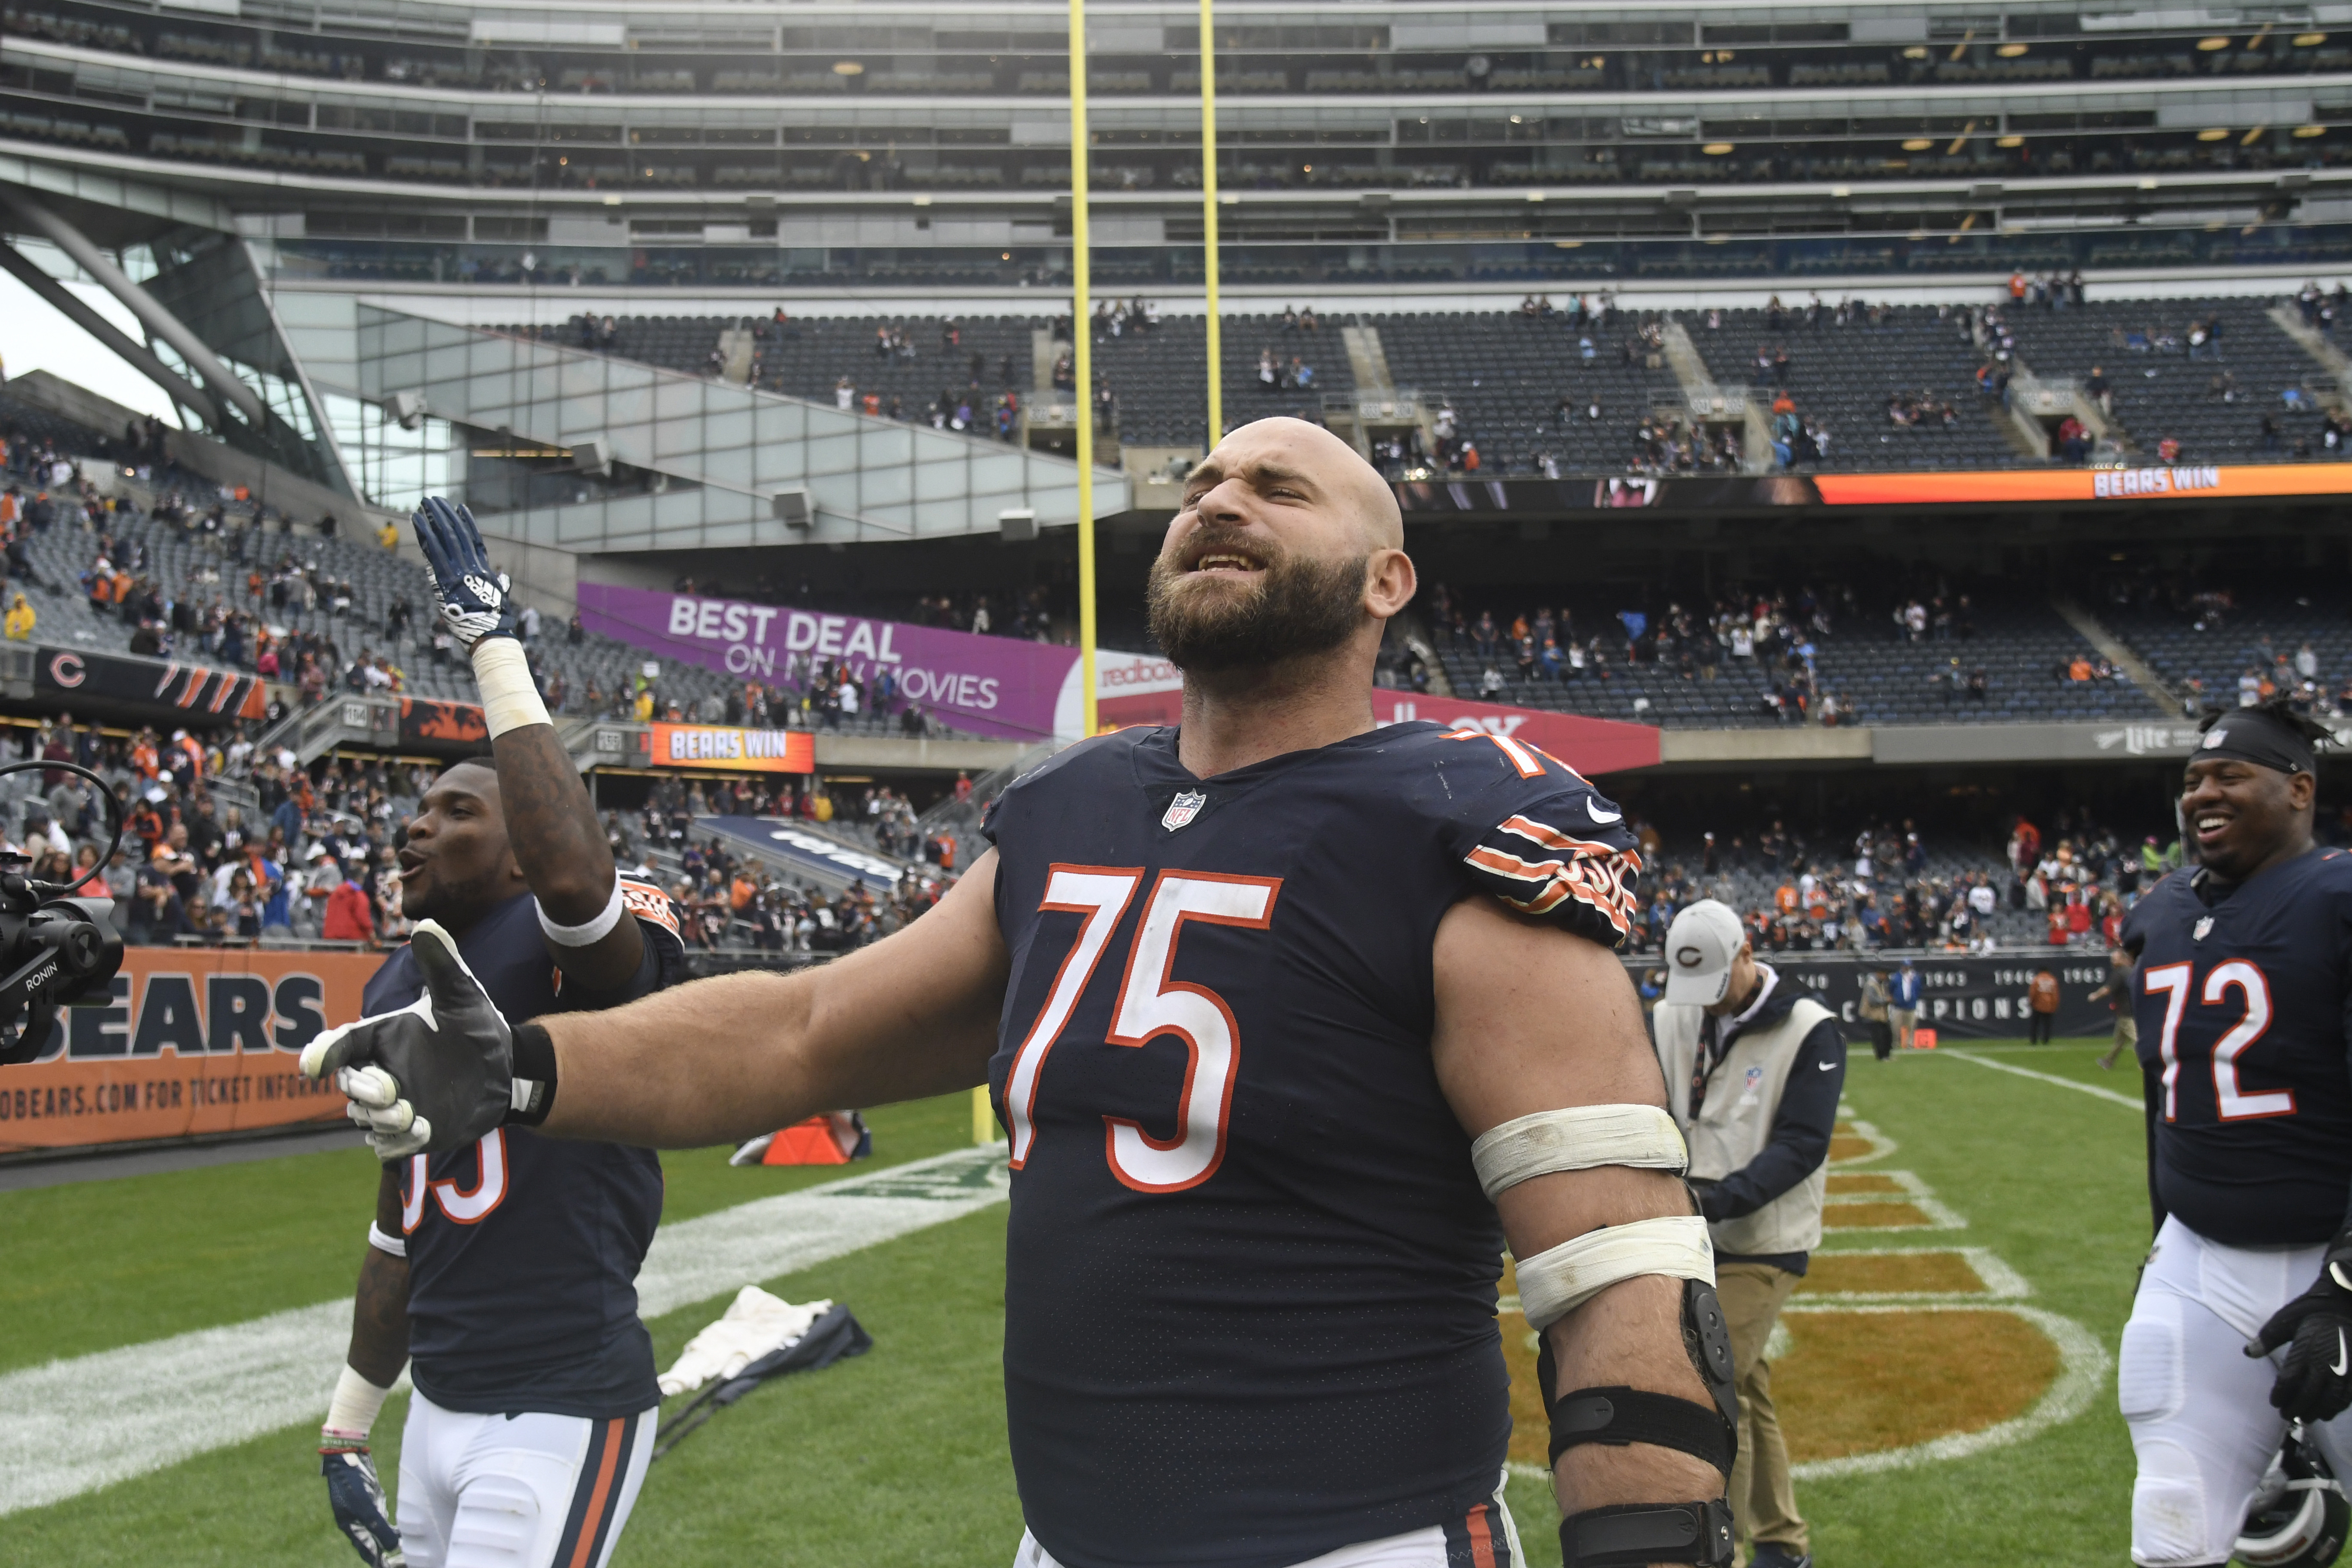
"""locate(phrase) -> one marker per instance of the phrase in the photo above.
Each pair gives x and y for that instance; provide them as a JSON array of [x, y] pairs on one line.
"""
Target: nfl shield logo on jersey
[[2198, 932], [1183, 808]]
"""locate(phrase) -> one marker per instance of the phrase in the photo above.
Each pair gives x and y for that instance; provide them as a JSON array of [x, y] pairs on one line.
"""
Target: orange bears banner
[[194, 1041]]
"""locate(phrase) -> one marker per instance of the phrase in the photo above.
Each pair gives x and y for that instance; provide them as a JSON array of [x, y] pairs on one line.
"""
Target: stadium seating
[[1877, 676], [2162, 390], [1843, 376], [1506, 375], [2202, 647]]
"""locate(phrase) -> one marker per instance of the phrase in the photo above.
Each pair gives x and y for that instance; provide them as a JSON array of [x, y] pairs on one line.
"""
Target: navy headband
[[2255, 735]]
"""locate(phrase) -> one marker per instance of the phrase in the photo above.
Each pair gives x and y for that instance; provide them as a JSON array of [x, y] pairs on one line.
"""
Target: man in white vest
[[1753, 1068]]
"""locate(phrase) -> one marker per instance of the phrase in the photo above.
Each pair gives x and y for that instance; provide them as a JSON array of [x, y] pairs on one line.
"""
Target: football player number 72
[[2231, 1103], [1149, 1004]]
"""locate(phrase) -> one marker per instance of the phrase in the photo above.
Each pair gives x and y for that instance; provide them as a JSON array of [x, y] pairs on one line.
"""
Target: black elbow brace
[[1632, 1535]]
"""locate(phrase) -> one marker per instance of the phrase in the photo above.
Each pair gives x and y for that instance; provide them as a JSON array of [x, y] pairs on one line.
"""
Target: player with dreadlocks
[[2240, 1333]]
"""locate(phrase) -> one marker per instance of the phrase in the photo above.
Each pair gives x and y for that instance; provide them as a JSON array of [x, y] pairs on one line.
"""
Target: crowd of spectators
[[1774, 631], [1884, 889], [727, 899]]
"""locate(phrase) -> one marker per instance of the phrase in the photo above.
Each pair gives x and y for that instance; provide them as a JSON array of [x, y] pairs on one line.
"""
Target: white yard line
[[74, 1426], [2125, 1100]]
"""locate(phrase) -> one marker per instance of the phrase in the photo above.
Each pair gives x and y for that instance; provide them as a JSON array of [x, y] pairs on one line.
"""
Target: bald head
[[1269, 451]]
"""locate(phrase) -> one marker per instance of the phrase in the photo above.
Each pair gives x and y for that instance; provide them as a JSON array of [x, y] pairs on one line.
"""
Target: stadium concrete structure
[[614, 273]]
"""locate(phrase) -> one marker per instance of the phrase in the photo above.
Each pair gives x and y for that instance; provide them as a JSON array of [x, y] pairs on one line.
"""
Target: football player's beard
[[1296, 607]]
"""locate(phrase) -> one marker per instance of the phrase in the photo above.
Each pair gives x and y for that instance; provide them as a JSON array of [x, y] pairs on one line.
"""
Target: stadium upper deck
[[735, 143]]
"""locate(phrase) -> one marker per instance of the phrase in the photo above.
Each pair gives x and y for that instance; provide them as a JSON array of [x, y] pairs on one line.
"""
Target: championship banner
[[162, 688], [1961, 998], [732, 749], [986, 685], [195, 1040], [1144, 689]]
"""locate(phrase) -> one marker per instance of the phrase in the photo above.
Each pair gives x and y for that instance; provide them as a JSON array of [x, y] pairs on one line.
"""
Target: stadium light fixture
[[847, 67], [2306, 132], [2010, 142], [2010, 51], [2209, 46], [1915, 52], [1917, 144], [2309, 40], [2213, 134], [1715, 149], [2251, 137]]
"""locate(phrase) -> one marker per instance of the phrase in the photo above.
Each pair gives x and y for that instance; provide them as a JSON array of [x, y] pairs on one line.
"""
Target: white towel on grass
[[753, 1325]]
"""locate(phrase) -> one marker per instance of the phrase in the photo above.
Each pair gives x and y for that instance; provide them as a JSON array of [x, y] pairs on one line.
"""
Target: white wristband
[[381, 1242], [589, 933], [353, 1408], [509, 700]]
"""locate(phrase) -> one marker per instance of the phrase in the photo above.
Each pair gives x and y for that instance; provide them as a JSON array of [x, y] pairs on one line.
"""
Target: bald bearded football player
[[1292, 1021], [2244, 1004]]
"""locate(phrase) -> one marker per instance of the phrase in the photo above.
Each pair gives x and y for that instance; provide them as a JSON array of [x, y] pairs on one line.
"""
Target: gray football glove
[[433, 1076], [473, 600], [357, 1498]]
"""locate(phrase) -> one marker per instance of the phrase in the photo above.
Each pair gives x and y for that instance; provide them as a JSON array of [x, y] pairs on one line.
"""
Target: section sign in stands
[[1143, 688], [797, 848], [733, 749], [987, 685], [149, 683], [195, 1040]]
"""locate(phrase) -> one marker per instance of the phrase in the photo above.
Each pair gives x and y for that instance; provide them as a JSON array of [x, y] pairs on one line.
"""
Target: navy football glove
[[473, 600], [2314, 1378], [361, 1513], [433, 1076]]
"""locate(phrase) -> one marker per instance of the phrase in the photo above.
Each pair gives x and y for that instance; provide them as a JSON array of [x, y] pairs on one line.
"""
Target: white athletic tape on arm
[[383, 1242], [588, 932], [1557, 1281], [510, 698], [354, 1409], [1577, 1140]]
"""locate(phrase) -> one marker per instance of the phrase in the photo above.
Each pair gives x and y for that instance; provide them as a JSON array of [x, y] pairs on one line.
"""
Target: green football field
[[899, 1456]]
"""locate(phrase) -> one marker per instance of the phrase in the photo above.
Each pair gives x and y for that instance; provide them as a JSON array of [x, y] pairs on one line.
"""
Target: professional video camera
[[55, 950]]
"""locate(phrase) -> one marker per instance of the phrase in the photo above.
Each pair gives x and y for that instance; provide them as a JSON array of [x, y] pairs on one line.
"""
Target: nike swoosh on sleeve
[[1600, 816], [1828, 1067], [2343, 1360]]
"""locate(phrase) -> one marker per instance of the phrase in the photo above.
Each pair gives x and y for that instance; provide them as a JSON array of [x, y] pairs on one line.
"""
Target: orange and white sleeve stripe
[[1568, 876]]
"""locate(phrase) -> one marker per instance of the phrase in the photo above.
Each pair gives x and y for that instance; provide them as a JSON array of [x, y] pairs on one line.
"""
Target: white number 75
[[1157, 1006]]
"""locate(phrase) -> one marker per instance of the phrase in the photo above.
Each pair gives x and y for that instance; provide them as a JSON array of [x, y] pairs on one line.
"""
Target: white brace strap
[[1557, 1281], [377, 1239], [510, 698], [1641, 1136], [589, 933]]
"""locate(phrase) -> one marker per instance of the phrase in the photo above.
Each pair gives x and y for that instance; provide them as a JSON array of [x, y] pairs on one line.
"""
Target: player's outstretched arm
[[722, 1060], [1532, 1020], [379, 1349], [549, 820]]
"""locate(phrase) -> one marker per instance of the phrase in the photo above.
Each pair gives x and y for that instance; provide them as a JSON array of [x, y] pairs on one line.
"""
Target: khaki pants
[[1906, 1021], [1763, 1500]]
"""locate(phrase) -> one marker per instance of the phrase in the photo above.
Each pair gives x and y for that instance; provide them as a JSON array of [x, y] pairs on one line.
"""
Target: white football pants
[[2198, 1407], [1483, 1538], [522, 1491]]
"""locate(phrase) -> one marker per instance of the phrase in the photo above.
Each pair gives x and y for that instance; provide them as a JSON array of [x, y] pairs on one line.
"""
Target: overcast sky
[[34, 336]]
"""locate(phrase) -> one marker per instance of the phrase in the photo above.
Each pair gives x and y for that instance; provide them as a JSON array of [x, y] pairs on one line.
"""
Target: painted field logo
[[1896, 1350]]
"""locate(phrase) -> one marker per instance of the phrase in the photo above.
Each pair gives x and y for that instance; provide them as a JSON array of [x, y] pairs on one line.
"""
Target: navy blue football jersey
[[1250, 1287], [523, 1250], [2241, 999]]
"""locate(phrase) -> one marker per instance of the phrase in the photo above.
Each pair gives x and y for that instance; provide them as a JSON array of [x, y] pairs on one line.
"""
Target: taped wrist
[[534, 1056], [351, 1413], [1615, 1416], [511, 698], [590, 931], [1634, 1535]]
